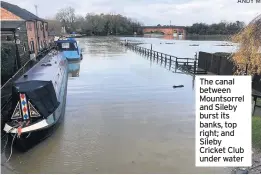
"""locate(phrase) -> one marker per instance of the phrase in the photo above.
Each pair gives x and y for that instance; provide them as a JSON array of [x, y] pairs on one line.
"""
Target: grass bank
[[256, 132]]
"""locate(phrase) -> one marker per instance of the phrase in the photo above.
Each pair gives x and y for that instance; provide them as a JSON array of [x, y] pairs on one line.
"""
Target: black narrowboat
[[38, 101]]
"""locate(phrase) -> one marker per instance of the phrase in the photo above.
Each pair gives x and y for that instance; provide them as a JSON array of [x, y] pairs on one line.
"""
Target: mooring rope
[[15, 127], [11, 148]]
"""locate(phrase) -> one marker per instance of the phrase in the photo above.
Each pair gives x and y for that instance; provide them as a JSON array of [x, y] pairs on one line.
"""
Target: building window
[[41, 26], [24, 47], [29, 26], [41, 44], [32, 46], [8, 38]]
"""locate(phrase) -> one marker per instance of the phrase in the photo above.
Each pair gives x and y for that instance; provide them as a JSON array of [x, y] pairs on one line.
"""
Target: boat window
[[67, 46]]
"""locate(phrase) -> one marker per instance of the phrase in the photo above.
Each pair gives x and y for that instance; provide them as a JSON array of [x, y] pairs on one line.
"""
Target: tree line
[[96, 24], [222, 28], [116, 24]]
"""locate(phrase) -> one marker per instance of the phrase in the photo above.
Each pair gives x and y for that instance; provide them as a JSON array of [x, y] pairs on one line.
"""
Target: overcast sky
[[153, 12]]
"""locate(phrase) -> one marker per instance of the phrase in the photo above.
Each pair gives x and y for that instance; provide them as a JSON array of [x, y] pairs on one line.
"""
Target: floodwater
[[185, 48], [122, 116]]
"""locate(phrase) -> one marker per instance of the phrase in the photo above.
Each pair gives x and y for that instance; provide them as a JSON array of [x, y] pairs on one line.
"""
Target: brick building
[[36, 28], [174, 31]]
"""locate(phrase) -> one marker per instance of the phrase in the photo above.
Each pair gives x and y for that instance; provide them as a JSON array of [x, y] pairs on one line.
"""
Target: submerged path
[[122, 116]]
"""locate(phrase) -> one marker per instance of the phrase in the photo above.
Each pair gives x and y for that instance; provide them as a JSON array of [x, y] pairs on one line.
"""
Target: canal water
[[122, 116]]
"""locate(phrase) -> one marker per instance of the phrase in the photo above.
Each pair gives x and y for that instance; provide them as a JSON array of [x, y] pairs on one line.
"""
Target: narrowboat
[[70, 49], [74, 69], [38, 101]]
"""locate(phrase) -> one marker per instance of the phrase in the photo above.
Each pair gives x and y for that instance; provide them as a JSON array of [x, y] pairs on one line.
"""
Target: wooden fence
[[189, 65]]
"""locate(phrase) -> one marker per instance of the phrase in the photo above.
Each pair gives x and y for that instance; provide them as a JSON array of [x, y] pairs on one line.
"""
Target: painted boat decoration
[[70, 49], [74, 69], [38, 101]]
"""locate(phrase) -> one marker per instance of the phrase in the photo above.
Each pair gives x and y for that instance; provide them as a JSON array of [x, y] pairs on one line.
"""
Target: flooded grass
[[256, 132]]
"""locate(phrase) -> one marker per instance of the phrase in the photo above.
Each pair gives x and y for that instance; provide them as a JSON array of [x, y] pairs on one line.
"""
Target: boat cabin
[[70, 49]]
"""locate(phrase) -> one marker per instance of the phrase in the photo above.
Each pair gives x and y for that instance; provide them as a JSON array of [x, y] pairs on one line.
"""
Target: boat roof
[[46, 69]]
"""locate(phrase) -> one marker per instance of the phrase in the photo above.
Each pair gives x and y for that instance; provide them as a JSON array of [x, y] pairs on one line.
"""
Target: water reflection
[[74, 69], [103, 46], [167, 37]]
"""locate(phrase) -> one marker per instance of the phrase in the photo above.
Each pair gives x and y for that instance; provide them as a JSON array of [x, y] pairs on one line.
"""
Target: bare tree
[[67, 17]]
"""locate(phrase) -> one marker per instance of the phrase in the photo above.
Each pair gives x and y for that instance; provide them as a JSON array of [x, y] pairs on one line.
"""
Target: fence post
[[151, 49], [176, 63], [170, 62], [195, 64]]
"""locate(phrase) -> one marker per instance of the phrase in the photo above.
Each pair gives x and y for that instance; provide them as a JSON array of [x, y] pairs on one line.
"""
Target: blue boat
[[70, 49], [38, 101]]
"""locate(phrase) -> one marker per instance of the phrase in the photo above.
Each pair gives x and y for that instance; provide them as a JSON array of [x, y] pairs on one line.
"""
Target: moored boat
[[38, 101], [70, 49]]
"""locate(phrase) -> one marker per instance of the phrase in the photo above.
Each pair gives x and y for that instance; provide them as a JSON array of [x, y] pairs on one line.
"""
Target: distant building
[[35, 28], [175, 31]]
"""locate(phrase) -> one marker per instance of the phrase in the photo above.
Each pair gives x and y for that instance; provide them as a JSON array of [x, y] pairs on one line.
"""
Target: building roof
[[10, 25], [18, 11]]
